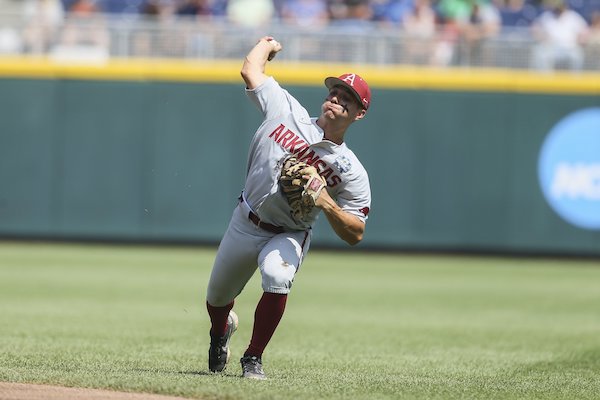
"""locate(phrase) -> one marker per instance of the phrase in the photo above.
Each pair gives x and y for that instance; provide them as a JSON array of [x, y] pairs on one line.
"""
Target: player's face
[[340, 103]]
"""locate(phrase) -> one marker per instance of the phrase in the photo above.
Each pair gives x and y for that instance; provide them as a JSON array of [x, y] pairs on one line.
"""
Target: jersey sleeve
[[270, 98], [355, 196]]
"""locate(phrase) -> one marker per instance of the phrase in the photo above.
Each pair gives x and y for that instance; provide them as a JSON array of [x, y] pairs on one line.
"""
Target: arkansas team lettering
[[295, 145]]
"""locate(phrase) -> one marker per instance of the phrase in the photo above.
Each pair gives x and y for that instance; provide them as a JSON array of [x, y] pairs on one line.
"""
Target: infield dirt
[[25, 391]]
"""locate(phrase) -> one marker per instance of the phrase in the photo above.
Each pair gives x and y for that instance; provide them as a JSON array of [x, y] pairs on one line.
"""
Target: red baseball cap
[[356, 84]]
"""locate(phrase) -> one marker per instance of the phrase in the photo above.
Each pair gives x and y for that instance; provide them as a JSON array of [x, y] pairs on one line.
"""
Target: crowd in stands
[[510, 13], [562, 28]]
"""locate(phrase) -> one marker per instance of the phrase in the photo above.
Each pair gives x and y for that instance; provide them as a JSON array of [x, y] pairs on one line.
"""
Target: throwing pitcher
[[297, 167]]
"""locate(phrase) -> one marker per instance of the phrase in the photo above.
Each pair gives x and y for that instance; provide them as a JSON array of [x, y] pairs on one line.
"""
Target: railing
[[104, 36]]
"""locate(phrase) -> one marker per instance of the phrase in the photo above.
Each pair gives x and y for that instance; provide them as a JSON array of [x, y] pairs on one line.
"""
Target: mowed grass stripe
[[357, 326]]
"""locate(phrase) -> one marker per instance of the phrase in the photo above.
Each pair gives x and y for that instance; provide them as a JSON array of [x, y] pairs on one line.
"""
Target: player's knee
[[218, 298], [278, 279], [279, 287], [217, 301]]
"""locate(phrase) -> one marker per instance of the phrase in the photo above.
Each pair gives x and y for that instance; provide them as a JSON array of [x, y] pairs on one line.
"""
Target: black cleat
[[252, 368], [218, 353]]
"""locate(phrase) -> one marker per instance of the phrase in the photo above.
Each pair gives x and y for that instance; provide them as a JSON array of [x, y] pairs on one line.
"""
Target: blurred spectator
[[337, 9], [593, 37], [162, 40], [84, 8], [420, 20], [85, 36], [592, 44], [451, 14], [120, 6], [560, 33], [198, 36], [10, 41], [219, 8], [518, 13], [483, 25], [85, 25], [44, 18], [195, 8], [305, 13], [378, 7], [159, 10], [354, 19], [354, 16], [454, 10], [392, 12], [205, 9], [419, 26], [250, 13], [67, 4], [468, 25]]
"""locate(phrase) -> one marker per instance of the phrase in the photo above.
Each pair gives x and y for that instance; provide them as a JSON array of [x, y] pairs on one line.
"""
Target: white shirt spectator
[[564, 29], [560, 32]]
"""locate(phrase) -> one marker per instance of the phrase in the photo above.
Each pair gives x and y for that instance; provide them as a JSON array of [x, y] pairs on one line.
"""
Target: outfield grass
[[357, 326]]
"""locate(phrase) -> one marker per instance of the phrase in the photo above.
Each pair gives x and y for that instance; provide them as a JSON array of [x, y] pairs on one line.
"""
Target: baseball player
[[271, 225]]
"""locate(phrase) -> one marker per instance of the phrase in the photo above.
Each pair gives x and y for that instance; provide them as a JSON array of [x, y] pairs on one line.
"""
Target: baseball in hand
[[276, 48]]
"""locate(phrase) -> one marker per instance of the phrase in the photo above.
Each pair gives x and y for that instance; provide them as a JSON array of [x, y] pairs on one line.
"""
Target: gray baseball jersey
[[288, 129]]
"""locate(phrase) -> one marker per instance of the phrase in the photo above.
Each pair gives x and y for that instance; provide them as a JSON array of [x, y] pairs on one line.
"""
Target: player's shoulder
[[268, 84], [271, 84], [347, 162], [348, 152]]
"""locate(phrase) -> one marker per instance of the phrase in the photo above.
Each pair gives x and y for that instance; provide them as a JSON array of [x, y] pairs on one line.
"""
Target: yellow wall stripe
[[395, 77]]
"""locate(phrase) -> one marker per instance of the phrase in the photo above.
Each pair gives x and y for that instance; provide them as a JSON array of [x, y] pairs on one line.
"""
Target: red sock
[[266, 318], [218, 318]]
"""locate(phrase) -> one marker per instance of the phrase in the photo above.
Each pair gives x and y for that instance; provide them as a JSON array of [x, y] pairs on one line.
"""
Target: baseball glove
[[301, 185]]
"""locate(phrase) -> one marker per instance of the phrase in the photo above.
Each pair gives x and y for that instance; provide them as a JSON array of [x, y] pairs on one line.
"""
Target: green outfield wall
[[158, 152]]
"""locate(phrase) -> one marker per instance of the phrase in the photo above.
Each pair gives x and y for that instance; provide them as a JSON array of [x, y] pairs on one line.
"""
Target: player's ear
[[361, 114]]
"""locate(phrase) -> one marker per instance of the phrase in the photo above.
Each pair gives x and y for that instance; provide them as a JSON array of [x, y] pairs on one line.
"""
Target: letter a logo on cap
[[350, 79]]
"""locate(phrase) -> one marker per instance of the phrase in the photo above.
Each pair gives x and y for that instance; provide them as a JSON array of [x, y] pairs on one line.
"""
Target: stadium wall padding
[[150, 160]]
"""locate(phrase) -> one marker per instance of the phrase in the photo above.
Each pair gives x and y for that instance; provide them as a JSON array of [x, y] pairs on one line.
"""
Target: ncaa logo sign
[[569, 168]]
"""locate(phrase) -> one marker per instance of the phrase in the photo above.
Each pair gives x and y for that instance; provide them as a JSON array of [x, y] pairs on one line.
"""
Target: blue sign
[[569, 168]]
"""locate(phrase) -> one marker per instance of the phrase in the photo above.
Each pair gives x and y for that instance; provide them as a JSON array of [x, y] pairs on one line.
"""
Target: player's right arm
[[253, 70]]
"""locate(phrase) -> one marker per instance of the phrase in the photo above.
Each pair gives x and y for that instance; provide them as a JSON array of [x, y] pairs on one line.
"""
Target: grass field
[[357, 326]]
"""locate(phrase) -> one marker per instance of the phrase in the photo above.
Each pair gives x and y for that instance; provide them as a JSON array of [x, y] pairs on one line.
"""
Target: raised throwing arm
[[253, 70]]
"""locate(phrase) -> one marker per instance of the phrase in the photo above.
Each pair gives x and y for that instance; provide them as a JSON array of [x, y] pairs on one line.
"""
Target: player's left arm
[[346, 225]]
